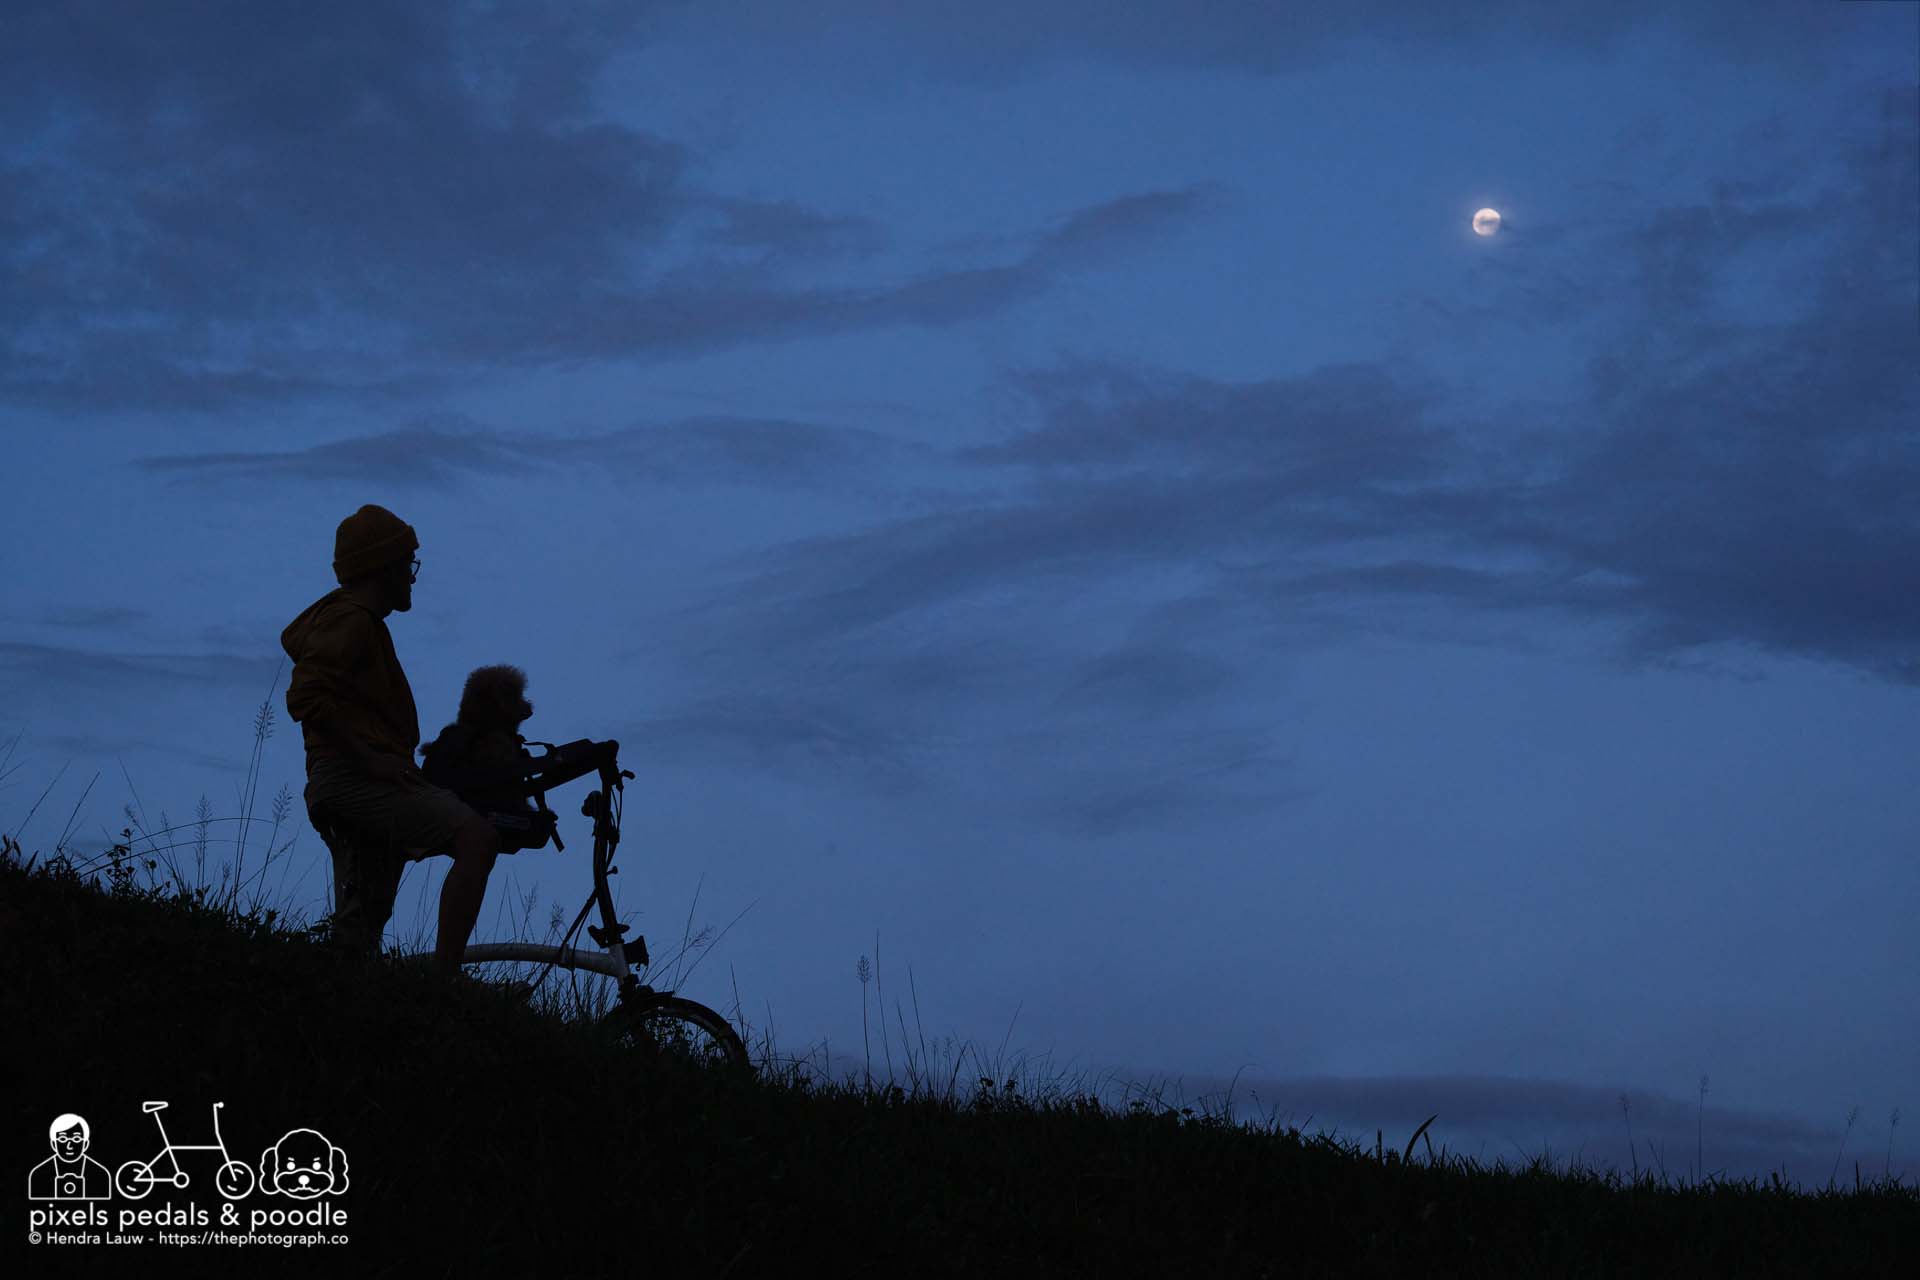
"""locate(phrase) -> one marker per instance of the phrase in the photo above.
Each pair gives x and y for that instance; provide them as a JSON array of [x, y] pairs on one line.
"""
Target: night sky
[[1058, 485]]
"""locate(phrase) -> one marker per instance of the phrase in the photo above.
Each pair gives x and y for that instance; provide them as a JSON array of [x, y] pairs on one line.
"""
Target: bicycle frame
[[617, 955], [147, 1171], [656, 1019], [219, 1143]]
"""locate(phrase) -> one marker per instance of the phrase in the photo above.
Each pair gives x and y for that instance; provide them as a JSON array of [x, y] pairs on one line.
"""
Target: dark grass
[[488, 1138]]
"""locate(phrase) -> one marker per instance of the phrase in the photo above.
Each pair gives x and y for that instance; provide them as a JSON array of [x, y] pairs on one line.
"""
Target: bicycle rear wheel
[[678, 1029]]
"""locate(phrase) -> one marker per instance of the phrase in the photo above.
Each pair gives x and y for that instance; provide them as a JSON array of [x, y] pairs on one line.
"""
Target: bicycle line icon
[[135, 1178]]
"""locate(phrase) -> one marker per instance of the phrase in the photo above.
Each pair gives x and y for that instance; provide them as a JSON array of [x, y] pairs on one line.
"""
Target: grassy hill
[[486, 1138]]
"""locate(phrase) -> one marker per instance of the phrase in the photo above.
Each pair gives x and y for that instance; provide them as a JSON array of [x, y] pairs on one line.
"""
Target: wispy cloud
[[210, 207], [134, 675], [1751, 493], [1743, 483], [174, 176], [1713, 480], [423, 457], [806, 738], [767, 452], [102, 749], [1518, 1119], [1737, 483], [1075, 781], [992, 41], [1140, 675], [787, 228], [439, 453], [709, 305], [80, 618]]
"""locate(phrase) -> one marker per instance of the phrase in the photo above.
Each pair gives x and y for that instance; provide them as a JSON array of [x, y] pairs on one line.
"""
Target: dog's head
[[303, 1164]]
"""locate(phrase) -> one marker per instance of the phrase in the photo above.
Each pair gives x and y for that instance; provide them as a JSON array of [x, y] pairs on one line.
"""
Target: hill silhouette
[[485, 1137]]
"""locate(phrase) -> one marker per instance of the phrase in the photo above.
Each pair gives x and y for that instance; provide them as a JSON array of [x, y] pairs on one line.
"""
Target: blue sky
[[1061, 486]]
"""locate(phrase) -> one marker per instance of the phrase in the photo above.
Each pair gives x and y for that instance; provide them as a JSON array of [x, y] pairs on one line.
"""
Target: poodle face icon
[[304, 1165]]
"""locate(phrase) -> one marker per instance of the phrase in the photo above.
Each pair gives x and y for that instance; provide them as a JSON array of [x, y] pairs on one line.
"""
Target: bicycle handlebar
[[532, 777], [537, 774], [562, 764]]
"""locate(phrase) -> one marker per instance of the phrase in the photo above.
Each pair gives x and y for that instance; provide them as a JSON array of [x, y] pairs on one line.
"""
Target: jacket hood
[[293, 637]]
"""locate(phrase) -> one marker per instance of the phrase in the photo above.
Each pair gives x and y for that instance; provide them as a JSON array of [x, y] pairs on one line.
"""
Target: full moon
[[1487, 221]]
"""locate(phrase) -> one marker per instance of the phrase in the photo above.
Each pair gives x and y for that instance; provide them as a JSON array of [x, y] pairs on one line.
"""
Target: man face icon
[[69, 1143], [71, 1174]]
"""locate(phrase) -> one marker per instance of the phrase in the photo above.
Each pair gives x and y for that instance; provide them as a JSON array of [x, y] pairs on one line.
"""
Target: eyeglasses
[[415, 570]]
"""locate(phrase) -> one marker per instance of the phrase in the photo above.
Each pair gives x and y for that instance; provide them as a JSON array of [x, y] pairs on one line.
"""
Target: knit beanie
[[369, 540]]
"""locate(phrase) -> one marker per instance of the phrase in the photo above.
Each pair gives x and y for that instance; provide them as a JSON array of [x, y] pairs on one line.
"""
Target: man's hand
[[390, 768]]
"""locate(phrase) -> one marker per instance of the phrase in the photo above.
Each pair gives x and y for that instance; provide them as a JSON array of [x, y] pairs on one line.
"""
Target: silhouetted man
[[355, 708]]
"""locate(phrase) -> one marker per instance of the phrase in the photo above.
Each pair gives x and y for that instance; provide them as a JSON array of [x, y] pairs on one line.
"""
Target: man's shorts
[[374, 828]]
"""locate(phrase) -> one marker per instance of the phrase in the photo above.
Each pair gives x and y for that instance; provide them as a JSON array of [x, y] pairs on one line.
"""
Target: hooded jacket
[[345, 669]]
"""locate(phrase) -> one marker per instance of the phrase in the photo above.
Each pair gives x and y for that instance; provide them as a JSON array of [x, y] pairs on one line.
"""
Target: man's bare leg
[[475, 847]]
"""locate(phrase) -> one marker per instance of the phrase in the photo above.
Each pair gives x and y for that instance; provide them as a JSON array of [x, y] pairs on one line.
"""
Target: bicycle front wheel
[[680, 1029]]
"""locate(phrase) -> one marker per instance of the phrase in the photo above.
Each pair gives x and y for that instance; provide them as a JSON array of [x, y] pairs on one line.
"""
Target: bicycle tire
[[682, 1028], [141, 1172], [234, 1173]]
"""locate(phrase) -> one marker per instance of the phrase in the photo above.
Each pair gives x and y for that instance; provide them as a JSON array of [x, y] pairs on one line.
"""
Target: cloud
[[1138, 676], [1487, 1119], [1132, 474], [85, 619], [919, 703], [174, 177], [1096, 235], [1073, 780], [805, 738], [1743, 482], [789, 229], [710, 305], [1325, 430], [938, 671], [420, 457], [441, 451], [51, 689], [1122, 777], [772, 452], [993, 41], [53, 667], [103, 747], [1717, 482], [1522, 1118], [256, 203]]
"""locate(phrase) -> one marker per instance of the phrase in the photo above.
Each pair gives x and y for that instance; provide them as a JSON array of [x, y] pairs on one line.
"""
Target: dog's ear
[[269, 1166], [337, 1162]]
